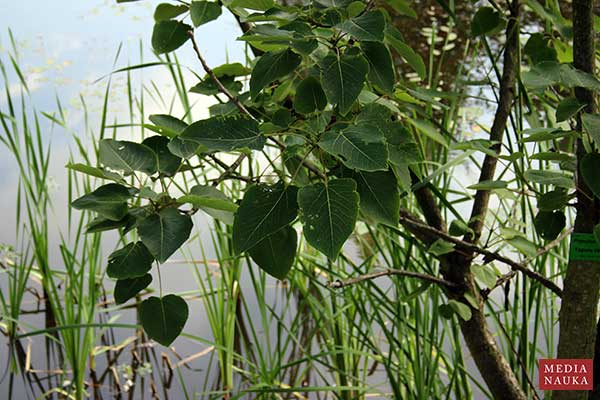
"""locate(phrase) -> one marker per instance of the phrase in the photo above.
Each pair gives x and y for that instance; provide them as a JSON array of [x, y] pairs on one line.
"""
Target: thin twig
[[406, 220], [508, 276], [216, 80], [388, 272]]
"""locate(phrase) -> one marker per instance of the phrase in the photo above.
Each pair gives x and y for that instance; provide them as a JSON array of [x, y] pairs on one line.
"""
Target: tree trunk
[[578, 312]]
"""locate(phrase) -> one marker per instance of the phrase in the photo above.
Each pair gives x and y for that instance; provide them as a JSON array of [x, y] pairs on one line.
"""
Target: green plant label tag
[[584, 247]]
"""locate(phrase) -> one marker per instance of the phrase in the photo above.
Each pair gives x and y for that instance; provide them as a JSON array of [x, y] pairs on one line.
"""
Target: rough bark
[[578, 312]]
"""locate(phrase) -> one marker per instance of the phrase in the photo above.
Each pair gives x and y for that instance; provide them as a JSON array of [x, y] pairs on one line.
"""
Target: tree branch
[[432, 234], [388, 272]]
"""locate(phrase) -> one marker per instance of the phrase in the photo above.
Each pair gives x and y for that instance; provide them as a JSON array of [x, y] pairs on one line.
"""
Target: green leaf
[[310, 96], [209, 88], [458, 228], [539, 50], [169, 35], [166, 11], [589, 168], [368, 27], [163, 318], [168, 164], [101, 224], [572, 78], [204, 11], [164, 233], [359, 146], [549, 224], [169, 125], [329, 214], [343, 78], [549, 177], [486, 21], [93, 171], [553, 200], [131, 261], [441, 247], [264, 210], [523, 245], [591, 124], [272, 66], [568, 108], [109, 200], [414, 60], [485, 274], [126, 289], [461, 309], [225, 134], [276, 253], [232, 69], [185, 148], [379, 196], [542, 75], [301, 42], [127, 156], [489, 185], [381, 67], [200, 201], [220, 207]]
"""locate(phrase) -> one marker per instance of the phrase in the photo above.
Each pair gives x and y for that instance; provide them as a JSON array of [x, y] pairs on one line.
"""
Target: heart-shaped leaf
[[204, 11], [109, 201], [169, 35], [163, 318], [329, 214], [276, 253], [265, 209], [164, 233], [127, 156], [549, 224], [589, 167], [126, 289], [131, 261], [343, 78]]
